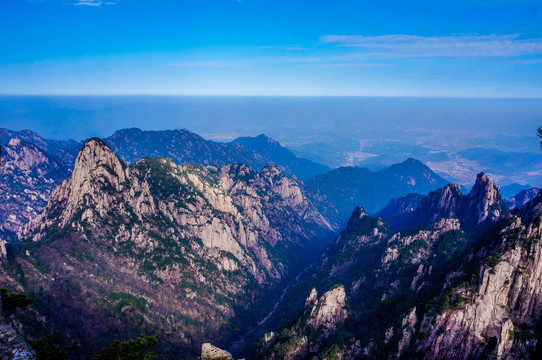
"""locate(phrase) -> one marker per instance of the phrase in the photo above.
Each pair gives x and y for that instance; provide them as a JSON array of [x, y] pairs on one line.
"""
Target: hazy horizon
[[456, 137]]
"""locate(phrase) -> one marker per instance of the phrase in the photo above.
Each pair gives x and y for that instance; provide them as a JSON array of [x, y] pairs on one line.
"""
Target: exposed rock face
[[3, 252], [210, 352], [485, 200], [181, 246], [28, 175], [12, 345], [320, 321], [521, 198], [338, 192], [33, 173], [466, 287], [329, 311], [63, 151], [504, 303], [482, 205]]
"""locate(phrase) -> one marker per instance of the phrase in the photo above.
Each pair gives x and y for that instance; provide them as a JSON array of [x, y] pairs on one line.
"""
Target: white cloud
[[449, 46], [93, 2]]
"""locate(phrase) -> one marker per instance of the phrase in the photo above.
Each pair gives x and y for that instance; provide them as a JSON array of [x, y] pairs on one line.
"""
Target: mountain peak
[[486, 198], [128, 131], [358, 214], [482, 178], [412, 161], [94, 149], [97, 157], [265, 138]]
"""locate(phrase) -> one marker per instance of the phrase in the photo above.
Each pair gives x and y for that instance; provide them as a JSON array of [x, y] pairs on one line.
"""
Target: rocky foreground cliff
[[183, 252], [466, 285]]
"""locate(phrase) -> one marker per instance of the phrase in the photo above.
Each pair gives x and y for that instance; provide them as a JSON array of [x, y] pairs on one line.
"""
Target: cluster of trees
[[47, 347]]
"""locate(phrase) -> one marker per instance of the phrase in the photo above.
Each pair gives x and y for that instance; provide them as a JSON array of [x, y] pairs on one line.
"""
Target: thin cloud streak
[[441, 46], [352, 60], [93, 3], [216, 64]]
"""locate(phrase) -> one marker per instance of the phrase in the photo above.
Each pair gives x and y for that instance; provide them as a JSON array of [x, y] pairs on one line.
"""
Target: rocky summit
[[182, 252], [460, 287]]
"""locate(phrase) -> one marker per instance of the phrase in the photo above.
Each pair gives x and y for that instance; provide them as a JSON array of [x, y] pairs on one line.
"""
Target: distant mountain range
[[291, 164], [64, 151], [338, 192], [521, 198], [335, 192], [511, 190]]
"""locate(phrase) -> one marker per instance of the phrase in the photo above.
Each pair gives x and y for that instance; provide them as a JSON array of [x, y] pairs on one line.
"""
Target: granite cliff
[[464, 284], [184, 252]]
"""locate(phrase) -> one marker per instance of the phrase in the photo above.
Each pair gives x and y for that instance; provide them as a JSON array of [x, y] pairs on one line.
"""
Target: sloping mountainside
[[28, 175], [452, 290], [64, 151], [511, 190], [182, 146], [304, 169], [182, 252], [31, 167], [338, 192], [521, 198], [483, 203]]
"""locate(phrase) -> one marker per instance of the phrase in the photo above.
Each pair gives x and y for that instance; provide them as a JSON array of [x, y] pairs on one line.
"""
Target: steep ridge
[[338, 192], [482, 204], [63, 151], [459, 288], [289, 163], [182, 146], [182, 252], [508, 191], [28, 175], [521, 198]]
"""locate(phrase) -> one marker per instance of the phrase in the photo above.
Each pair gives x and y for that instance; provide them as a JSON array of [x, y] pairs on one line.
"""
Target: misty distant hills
[[521, 198], [184, 146], [513, 189], [338, 192], [281, 156]]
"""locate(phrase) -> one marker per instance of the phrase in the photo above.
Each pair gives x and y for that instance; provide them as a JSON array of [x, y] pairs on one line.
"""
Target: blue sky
[[444, 48]]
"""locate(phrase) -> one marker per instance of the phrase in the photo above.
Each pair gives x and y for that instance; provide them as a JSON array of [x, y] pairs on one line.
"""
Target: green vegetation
[[47, 349], [124, 301], [14, 300], [137, 349]]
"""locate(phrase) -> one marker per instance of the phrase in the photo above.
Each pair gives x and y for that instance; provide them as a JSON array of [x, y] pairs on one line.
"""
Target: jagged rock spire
[[485, 200], [358, 214]]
